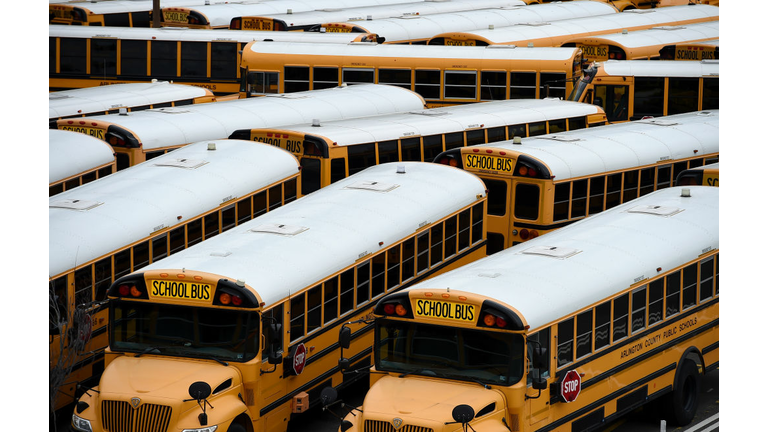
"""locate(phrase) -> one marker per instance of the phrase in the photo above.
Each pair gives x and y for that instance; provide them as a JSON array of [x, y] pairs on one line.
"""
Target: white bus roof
[[157, 128], [221, 14], [602, 149], [117, 6], [420, 8], [101, 99], [660, 68], [411, 51], [591, 25], [456, 118], [196, 35], [336, 225], [665, 35], [72, 153], [130, 204], [611, 251], [424, 27]]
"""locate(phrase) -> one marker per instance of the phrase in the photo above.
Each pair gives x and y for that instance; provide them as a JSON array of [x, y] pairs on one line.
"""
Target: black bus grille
[[120, 416], [382, 426]]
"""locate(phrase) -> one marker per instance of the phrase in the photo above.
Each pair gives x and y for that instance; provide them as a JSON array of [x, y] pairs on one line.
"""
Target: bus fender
[[228, 409], [694, 354]]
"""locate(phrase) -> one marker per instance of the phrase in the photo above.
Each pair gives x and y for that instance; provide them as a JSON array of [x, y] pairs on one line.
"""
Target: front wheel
[[682, 404], [235, 427]]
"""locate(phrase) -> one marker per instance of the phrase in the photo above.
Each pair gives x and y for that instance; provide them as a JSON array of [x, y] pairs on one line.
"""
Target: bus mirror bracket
[[199, 391], [328, 398]]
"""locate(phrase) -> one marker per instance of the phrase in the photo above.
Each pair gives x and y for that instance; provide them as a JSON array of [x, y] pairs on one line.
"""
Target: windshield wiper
[[206, 356]]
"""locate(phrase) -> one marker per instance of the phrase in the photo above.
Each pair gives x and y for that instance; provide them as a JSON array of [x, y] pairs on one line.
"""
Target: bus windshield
[[581, 85], [183, 331], [449, 352]]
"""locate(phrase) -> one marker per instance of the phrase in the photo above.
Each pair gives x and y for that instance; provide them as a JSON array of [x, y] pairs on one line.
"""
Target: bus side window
[[584, 334], [330, 299], [388, 151], [311, 175], [527, 201], [325, 77], [436, 244], [649, 97], [263, 82], [710, 98], [707, 279], [133, 58], [57, 315], [296, 79], [522, 85], [338, 172], [260, 203], [224, 60], [620, 317], [297, 317], [690, 285], [411, 149], [683, 95], [347, 292], [639, 302], [672, 301], [602, 325], [378, 274], [427, 84], [422, 252], [596, 194], [433, 145], [83, 285], [393, 267], [565, 342], [655, 301], [314, 308]]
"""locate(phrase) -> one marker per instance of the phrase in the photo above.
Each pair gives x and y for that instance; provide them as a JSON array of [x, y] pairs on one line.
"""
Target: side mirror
[[328, 396], [345, 336], [539, 354], [538, 362], [199, 390], [463, 414], [274, 331]]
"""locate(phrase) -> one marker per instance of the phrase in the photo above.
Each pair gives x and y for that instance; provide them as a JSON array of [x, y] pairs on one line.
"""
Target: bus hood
[[424, 402], [156, 377]]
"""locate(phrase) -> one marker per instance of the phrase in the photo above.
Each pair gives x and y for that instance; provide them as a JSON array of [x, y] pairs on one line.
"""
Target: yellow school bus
[[240, 332], [329, 151], [539, 184], [119, 223], [634, 89], [75, 159], [706, 175], [568, 332]]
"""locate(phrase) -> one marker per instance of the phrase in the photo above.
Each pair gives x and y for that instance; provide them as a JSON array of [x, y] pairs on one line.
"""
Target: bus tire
[[236, 427], [682, 404]]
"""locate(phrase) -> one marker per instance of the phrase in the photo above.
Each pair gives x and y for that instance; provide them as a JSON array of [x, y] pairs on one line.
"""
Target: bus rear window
[[527, 201]]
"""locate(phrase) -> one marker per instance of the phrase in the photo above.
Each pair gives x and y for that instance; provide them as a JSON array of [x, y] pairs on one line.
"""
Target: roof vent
[[184, 163], [75, 204], [374, 186], [552, 251], [655, 210], [280, 229]]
